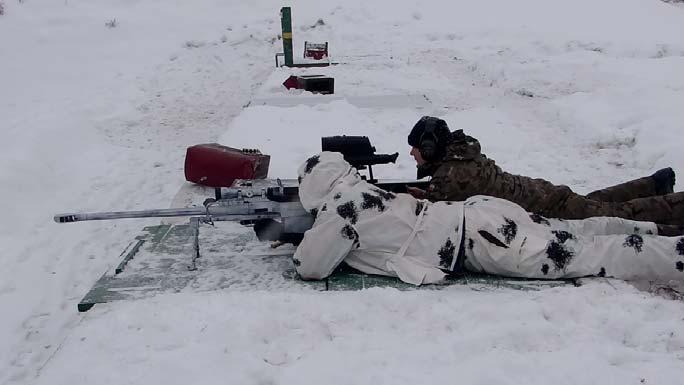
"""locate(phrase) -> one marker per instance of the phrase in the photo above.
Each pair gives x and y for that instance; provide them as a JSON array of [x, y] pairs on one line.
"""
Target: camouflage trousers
[[636, 200], [503, 239]]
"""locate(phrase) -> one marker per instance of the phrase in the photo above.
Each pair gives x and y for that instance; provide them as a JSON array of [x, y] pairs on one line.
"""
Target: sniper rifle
[[271, 205]]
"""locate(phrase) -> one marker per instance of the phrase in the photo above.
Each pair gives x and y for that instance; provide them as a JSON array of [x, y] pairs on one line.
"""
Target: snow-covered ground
[[97, 117]]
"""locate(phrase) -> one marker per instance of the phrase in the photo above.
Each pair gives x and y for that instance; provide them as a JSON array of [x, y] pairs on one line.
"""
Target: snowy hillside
[[100, 99]]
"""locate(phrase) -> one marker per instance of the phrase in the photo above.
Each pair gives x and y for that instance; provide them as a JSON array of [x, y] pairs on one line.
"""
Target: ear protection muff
[[429, 142]]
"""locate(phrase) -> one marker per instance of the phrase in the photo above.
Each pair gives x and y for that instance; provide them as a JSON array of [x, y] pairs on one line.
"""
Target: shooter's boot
[[660, 183]]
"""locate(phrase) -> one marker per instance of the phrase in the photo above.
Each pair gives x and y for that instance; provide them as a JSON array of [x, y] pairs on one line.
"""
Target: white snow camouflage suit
[[420, 242]]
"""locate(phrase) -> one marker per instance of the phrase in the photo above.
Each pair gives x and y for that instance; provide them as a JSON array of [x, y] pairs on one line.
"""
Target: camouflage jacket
[[465, 172]]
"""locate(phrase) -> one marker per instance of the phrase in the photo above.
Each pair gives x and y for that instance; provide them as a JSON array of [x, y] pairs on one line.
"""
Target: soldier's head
[[319, 176], [428, 139]]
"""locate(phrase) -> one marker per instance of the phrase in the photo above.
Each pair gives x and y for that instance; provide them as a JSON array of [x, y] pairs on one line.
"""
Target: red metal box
[[215, 165]]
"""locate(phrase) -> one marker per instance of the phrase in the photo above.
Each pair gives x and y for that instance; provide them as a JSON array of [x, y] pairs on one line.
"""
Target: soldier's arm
[[416, 192], [438, 189], [324, 246]]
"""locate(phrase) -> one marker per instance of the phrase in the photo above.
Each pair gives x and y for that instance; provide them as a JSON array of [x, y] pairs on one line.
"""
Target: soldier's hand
[[276, 244], [416, 192]]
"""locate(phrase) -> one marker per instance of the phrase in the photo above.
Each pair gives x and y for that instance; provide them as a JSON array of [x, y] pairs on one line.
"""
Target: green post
[[286, 24]]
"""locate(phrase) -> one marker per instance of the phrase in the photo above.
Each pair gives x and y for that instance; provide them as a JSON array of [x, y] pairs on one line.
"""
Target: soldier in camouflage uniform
[[459, 171], [421, 242]]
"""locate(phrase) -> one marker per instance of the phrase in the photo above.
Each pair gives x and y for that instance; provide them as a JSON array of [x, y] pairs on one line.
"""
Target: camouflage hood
[[462, 147], [459, 147], [320, 174]]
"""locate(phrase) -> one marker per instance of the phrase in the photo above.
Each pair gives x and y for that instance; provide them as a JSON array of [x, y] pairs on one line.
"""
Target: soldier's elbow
[[310, 274]]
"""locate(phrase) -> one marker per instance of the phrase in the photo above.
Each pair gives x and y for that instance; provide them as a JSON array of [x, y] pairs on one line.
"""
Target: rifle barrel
[[157, 213]]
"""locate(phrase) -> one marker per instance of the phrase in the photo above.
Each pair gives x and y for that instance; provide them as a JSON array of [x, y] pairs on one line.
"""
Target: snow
[[593, 335], [98, 118]]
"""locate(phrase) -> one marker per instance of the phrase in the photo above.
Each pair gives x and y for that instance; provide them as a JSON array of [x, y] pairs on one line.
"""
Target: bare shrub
[[2, 8], [111, 23]]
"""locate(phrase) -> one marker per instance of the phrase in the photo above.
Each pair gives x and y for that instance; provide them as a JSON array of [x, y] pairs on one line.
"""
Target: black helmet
[[430, 136]]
